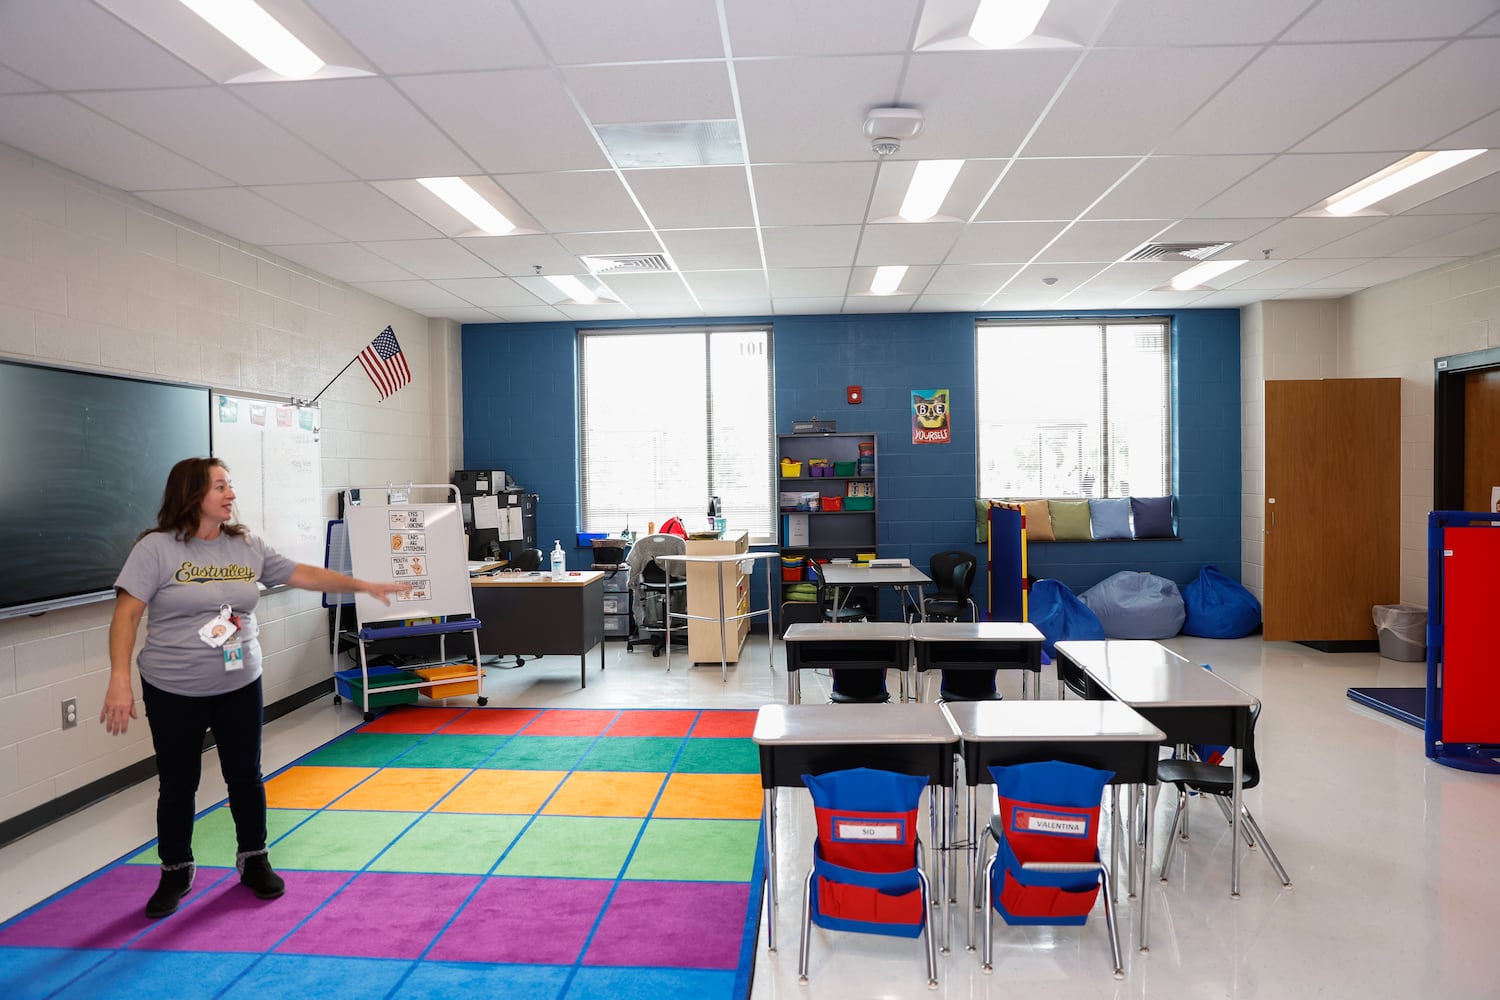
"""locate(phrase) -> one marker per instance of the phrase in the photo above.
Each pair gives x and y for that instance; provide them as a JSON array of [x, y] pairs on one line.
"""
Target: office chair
[[952, 574], [655, 591], [1217, 781], [872, 883], [525, 561]]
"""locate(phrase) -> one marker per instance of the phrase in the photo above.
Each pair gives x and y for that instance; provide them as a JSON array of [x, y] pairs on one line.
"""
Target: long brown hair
[[182, 500]]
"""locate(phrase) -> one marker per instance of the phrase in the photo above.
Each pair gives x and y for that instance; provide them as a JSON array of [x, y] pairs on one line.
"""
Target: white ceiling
[[1132, 121]]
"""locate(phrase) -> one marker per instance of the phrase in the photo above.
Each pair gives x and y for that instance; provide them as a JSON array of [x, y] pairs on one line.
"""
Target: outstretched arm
[[307, 577]]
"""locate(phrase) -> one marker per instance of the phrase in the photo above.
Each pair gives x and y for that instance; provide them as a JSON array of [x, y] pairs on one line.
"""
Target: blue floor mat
[[1407, 704]]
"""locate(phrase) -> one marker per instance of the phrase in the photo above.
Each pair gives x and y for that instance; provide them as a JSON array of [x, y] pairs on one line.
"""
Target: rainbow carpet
[[437, 852]]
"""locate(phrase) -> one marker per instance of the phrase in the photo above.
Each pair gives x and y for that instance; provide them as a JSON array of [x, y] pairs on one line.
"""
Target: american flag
[[385, 364]]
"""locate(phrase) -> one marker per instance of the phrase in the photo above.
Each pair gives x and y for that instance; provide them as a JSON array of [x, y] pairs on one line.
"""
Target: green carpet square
[[541, 753], [632, 753], [572, 847], [362, 750], [451, 751], [214, 842], [696, 850], [339, 841], [719, 755], [451, 843]]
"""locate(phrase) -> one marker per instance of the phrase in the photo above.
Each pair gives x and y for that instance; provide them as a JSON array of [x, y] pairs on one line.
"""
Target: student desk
[[532, 613], [1189, 704], [1099, 734], [980, 646], [844, 646], [814, 739], [842, 576]]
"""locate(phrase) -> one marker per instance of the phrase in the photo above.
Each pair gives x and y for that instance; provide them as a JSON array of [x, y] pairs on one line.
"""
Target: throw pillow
[[1038, 521], [1153, 517], [1110, 518], [1070, 520]]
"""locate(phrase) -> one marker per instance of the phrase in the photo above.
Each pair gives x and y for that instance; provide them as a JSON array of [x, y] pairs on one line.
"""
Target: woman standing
[[196, 573]]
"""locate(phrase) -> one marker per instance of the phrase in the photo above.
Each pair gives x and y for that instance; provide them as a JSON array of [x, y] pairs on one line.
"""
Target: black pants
[[178, 724]]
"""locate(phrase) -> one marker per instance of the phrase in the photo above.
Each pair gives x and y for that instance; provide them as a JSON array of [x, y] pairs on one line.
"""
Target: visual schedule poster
[[417, 544]]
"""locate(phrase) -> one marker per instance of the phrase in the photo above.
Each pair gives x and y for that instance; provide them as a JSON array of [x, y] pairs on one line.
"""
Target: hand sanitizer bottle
[[559, 561]]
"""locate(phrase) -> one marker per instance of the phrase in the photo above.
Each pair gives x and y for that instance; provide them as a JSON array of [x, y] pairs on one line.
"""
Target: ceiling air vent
[[1169, 251], [627, 262]]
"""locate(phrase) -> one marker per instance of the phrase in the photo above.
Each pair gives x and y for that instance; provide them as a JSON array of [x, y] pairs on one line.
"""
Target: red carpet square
[[491, 721], [652, 723], [726, 723], [571, 722], [412, 720]]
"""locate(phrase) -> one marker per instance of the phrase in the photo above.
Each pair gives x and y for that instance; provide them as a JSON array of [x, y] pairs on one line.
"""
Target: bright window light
[[999, 24], [887, 279], [247, 25], [1397, 177], [573, 288], [1206, 271], [469, 203], [929, 186]]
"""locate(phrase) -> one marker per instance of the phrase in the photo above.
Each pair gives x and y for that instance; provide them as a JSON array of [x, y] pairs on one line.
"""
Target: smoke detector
[[886, 127]]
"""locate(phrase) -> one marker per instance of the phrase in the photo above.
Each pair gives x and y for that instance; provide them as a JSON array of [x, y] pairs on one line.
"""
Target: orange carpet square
[[491, 721], [711, 796], [312, 787], [509, 792], [605, 793], [402, 789], [412, 720], [725, 723], [571, 722], [650, 723]]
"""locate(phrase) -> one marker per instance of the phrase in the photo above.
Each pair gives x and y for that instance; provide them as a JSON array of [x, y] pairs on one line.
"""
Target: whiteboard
[[415, 543], [276, 466]]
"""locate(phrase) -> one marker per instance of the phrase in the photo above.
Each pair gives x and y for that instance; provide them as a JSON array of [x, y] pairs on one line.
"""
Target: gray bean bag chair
[[1133, 605]]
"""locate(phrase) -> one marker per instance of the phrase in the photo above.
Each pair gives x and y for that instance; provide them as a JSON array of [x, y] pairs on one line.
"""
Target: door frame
[[1448, 423]]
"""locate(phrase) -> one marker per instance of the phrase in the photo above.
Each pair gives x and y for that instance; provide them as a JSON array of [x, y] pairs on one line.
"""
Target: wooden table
[[843, 646], [980, 646], [1186, 702], [814, 739], [1098, 734], [532, 613]]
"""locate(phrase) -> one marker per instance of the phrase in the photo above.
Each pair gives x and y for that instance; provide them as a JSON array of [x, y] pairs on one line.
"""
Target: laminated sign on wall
[[931, 421]]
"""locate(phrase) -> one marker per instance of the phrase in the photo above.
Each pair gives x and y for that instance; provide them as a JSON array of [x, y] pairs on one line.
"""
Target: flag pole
[[319, 396]]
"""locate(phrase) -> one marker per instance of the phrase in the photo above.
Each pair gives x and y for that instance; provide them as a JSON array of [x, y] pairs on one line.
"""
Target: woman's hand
[[119, 706], [383, 591]]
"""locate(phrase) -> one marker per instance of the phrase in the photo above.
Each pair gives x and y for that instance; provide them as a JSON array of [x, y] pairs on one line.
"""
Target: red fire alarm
[[854, 394]]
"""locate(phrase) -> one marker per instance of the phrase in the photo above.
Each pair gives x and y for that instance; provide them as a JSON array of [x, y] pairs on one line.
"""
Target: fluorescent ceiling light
[[247, 25], [929, 186], [469, 203], [999, 24], [1397, 177], [1199, 273], [573, 288], [887, 279]]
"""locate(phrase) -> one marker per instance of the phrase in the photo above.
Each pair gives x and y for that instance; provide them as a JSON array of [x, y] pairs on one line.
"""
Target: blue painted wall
[[521, 414]]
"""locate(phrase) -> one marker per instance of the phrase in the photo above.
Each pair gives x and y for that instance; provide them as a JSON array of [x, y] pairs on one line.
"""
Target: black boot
[[176, 882], [256, 872]]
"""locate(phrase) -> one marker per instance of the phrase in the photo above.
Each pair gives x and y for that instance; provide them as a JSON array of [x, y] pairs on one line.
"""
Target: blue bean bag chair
[[1058, 614], [1219, 607]]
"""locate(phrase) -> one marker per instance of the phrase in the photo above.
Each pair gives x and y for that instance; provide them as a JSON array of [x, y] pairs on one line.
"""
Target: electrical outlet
[[70, 713]]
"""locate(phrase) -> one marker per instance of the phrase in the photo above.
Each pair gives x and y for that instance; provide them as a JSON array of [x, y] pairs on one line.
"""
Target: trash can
[[1402, 630]]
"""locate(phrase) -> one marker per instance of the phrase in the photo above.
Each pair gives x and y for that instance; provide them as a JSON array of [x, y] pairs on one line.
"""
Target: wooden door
[[1332, 513], [1481, 444]]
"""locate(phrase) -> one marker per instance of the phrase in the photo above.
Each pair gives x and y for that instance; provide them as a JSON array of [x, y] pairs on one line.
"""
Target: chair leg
[[927, 931], [1179, 813], [1266, 845], [1227, 810], [987, 961], [1109, 923], [806, 928]]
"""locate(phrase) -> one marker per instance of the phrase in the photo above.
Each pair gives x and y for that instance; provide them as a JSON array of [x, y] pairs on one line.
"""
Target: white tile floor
[[1396, 888]]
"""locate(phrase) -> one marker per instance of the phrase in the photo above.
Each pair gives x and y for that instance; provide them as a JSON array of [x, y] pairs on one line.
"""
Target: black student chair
[[952, 575]]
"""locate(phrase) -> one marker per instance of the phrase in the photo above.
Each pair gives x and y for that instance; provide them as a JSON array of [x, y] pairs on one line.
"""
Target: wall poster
[[931, 421]]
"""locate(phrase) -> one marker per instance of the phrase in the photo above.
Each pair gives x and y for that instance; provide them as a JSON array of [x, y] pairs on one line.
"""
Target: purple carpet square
[[694, 925], [104, 912], [382, 915], [535, 920], [228, 917]]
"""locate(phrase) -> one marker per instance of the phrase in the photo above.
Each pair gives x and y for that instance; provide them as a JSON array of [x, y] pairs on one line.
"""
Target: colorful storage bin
[[790, 469], [859, 503], [833, 503], [843, 468], [349, 684], [452, 690]]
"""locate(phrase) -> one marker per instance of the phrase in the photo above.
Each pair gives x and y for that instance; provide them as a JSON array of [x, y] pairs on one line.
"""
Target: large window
[[670, 418], [1074, 409]]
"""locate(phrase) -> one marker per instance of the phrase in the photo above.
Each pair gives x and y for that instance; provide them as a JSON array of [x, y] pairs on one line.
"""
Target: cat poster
[[931, 421]]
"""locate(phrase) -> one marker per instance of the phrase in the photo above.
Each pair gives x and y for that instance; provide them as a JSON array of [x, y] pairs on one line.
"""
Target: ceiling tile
[[1002, 242], [402, 37], [1291, 184], [343, 261], [803, 110], [812, 194], [969, 279], [1476, 239], [353, 210], [76, 45], [419, 296], [1169, 187], [488, 292], [1285, 240], [211, 127], [759, 305], [1354, 20], [876, 304], [712, 249], [810, 306], [829, 27], [927, 302], [662, 29], [808, 282], [809, 246], [983, 102], [73, 136], [1377, 272], [529, 314], [586, 201], [1101, 242], [1058, 189], [906, 243], [433, 258], [692, 197], [523, 255], [1289, 274], [743, 284], [243, 214], [609, 244], [12, 82], [1387, 237], [364, 125], [652, 92], [1179, 22]]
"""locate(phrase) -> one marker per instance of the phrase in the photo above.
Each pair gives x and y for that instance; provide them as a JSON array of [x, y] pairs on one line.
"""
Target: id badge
[[233, 648], [220, 628]]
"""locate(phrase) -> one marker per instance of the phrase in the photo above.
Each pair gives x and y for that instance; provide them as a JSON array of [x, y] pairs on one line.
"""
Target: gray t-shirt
[[184, 584]]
